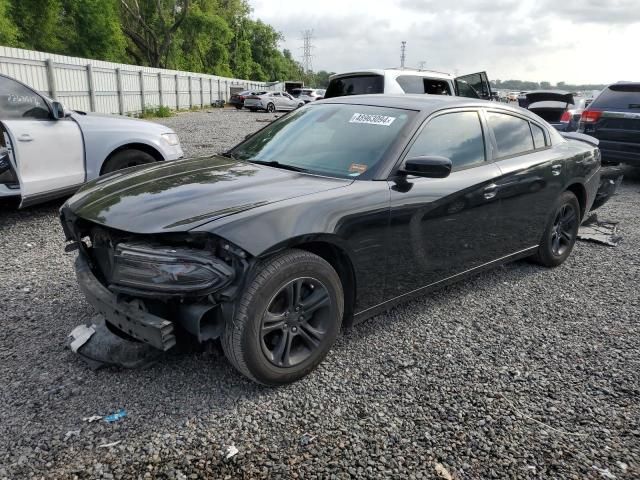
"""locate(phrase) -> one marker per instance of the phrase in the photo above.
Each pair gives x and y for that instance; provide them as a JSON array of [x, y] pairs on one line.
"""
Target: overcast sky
[[576, 41]]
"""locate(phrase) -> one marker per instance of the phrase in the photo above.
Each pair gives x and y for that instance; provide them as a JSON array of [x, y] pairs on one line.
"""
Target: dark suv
[[614, 118]]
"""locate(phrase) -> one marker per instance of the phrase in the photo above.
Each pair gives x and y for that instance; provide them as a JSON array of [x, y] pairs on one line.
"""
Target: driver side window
[[18, 102], [457, 136]]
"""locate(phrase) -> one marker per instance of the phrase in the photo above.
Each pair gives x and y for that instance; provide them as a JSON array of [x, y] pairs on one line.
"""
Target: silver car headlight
[[171, 139], [166, 269]]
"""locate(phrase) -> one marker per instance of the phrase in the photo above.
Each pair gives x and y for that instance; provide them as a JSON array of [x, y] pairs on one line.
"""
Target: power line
[[307, 49], [403, 48]]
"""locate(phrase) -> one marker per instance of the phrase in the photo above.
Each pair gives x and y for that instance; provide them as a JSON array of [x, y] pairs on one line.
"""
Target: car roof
[[395, 72]]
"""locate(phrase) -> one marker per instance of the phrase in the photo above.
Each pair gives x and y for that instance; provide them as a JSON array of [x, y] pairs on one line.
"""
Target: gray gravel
[[520, 372]]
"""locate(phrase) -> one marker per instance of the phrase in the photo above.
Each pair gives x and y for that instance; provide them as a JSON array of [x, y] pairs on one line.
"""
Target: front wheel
[[287, 319], [560, 233], [125, 159]]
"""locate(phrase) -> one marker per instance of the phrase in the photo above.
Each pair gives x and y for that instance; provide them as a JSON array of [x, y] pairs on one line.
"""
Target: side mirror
[[58, 110], [429, 166]]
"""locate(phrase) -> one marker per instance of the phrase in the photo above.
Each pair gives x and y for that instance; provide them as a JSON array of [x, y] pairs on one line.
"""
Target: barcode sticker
[[372, 119]]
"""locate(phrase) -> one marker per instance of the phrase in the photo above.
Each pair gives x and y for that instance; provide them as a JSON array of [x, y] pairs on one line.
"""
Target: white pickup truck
[[48, 152]]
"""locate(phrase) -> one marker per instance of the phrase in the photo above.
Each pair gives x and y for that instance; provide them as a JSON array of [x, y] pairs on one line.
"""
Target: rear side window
[[20, 102], [416, 84], [356, 85], [539, 139], [513, 135], [457, 136], [620, 97]]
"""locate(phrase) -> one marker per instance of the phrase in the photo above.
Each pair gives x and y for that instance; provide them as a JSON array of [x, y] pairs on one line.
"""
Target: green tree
[[545, 85], [93, 30], [38, 23], [151, 27], [8, 29]]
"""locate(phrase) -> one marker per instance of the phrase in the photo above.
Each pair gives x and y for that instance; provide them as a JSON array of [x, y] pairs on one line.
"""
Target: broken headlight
[[169, 270]]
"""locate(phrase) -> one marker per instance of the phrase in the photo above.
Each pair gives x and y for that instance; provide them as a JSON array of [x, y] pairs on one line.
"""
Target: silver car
[[47, 151], [308, 94], [272, 101]]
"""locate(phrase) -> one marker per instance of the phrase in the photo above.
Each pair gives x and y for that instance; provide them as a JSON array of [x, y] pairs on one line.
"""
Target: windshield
[[343, 141]]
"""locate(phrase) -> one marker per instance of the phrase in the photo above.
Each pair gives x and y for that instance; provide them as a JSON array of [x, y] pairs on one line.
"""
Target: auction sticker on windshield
[[372, 119]]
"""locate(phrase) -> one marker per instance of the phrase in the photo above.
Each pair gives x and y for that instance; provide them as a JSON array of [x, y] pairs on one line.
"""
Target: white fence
[[105, 87]]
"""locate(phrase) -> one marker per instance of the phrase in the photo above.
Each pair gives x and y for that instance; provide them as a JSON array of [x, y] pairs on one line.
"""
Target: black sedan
[[325, 217]]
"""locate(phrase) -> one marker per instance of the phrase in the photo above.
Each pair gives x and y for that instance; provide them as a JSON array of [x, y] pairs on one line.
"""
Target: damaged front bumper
[[128, 317]]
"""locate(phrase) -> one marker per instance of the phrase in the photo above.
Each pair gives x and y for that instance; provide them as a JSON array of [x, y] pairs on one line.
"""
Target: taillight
[[566, 117], [591, 116]]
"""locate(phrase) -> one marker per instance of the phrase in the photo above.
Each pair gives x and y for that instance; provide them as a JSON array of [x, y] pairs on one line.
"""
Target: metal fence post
[[201, 94], [219, 93], [226, 90], [142, 100], [160, 99], [92, 88], [210, 91], [120, 92], [51, 78], [177, 92], [190, 94]]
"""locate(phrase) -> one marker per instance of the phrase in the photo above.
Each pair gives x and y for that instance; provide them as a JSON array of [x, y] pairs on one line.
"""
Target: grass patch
[[156, 112]]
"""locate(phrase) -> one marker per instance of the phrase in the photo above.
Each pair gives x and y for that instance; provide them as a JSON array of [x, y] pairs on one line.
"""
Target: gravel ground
[[521, 372]]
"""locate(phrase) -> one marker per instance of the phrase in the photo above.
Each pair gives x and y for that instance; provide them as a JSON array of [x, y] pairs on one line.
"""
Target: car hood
[[549, 96], [181, 195], [119, 123]]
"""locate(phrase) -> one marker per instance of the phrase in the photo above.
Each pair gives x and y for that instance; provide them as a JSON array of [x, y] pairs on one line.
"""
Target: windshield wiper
[[284, 166]]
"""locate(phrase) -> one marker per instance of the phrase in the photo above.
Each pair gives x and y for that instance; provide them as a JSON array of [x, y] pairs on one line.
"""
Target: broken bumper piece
[[128, 317]]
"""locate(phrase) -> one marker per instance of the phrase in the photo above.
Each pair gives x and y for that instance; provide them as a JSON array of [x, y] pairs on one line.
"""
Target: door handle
[[490, 191], [25, 137], [555, 169]]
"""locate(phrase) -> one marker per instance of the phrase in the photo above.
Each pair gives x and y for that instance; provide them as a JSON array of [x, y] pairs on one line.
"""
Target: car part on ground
[[52, 151], [604, 232], [299, 233], [614, 118]]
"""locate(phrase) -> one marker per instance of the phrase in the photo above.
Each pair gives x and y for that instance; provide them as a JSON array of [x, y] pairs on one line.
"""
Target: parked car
[[237, 99], [308, 94], [561, 109], [50, 151], [393, 80], [325, 217], [272, 101], [614, 118]]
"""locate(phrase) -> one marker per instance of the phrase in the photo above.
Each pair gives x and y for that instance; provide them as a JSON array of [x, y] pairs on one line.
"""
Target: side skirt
[[381, 307], [51, 195]]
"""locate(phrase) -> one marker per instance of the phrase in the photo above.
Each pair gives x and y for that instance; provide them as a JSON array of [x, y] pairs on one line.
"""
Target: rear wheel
[[126, 159], [271, 108], [239, 107], [253, 109], [287, 319], [560, 233]]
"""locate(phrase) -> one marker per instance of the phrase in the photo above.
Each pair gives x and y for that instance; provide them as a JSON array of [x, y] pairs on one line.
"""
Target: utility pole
[[403, 48], [307, 49]]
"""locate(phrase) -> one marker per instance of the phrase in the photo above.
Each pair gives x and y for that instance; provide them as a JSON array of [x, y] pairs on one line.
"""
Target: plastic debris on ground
[[230, 452], [604, 232], [92, 419], [114, 417], [99, 347], [107, 445]]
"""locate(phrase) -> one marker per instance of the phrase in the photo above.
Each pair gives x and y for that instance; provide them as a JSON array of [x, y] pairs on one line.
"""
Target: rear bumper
[[620, 152], [126, 317]]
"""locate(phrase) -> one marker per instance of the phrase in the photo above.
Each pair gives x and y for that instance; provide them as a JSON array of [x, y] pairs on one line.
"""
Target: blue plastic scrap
[[114, 417]]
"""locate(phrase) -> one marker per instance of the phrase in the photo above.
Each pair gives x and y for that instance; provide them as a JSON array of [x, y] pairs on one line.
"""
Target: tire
[[268, 339], [271, 108], [125, 159], [238, 107], [560, 233], [253, 109]]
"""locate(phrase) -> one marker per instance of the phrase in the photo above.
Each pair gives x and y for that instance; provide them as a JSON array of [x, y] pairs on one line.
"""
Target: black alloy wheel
[[287, 318], [295, 322], [561, 231], [271, 108]]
